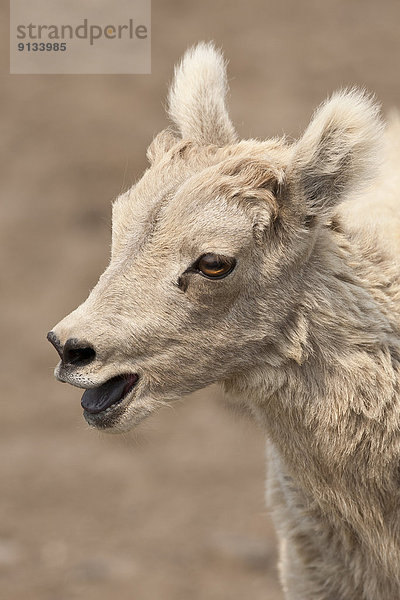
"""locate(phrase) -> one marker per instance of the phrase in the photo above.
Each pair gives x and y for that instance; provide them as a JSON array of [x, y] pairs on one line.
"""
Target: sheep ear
[[196, 102], [160, 145], [338, 152]]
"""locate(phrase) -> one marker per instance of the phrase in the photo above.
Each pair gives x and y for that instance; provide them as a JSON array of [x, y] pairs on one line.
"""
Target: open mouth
[[98, 399]]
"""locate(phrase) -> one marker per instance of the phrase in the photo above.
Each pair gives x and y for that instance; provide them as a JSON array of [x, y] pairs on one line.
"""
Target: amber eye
[[215, 266]]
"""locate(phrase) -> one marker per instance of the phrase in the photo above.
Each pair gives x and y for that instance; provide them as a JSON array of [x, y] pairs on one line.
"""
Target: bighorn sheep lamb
[[271, 268]]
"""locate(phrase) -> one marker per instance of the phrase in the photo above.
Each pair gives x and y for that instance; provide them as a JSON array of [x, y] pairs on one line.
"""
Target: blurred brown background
[[175, 510]]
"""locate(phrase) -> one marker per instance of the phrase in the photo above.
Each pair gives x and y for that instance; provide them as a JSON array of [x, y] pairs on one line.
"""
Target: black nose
[[53, 339], [77, 353], [74, 352]]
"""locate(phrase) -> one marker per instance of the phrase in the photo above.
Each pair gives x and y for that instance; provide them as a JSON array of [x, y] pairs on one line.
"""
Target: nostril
[[78, 353]]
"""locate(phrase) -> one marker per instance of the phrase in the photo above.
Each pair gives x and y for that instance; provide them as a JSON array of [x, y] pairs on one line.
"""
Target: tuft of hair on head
[[161, 144], [197, 97], [339, 152]]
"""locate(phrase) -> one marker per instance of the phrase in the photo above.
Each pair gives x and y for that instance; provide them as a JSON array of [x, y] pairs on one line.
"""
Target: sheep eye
[[215, 266]]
